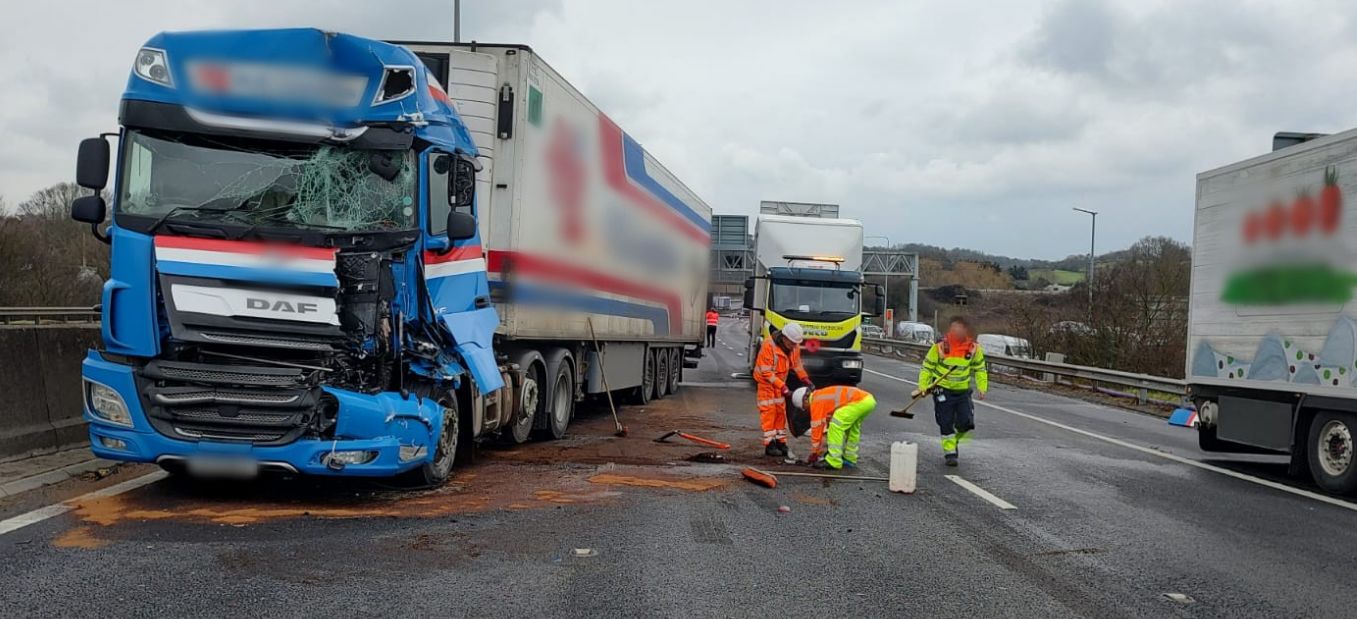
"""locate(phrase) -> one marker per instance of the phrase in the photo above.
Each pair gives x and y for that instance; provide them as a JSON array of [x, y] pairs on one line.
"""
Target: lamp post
[[1092, 237], [887, 279], [456, 22]]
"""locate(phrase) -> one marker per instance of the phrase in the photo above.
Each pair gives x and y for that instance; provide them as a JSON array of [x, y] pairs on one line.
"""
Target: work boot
[[771, 449], [949, 459], [782, 449], [821, 465], [849, 465]]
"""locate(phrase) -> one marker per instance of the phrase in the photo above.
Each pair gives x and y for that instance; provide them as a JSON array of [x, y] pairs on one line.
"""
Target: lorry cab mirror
[[462, 188], [461, 226], [91, 166], [879, 305], [89, 209], [749, 294]]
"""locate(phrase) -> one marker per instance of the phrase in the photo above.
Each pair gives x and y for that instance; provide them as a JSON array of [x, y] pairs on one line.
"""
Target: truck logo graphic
[[300, 307]]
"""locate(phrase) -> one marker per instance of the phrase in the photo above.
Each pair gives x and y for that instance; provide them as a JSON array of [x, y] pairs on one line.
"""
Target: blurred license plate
[[812, 362], [234, 468]]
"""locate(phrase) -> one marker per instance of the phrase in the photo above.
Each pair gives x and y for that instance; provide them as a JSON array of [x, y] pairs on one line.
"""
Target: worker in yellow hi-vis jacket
[[946, 374]]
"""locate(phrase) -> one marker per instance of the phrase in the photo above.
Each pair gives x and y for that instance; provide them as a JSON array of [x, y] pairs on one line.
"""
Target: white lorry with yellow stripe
[[807, 270]]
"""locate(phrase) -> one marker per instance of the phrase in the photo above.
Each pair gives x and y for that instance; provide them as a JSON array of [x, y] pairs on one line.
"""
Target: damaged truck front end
[[285, 207]]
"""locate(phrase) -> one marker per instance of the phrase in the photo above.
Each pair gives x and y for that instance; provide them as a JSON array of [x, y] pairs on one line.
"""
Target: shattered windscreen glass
[[276, 184]]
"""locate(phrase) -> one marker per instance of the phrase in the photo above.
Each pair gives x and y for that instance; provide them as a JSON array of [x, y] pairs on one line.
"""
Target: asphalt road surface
[[1113, 513]]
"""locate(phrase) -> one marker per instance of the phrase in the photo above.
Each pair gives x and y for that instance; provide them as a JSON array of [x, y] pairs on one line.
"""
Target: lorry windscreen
[[814, 300], [208, 179]]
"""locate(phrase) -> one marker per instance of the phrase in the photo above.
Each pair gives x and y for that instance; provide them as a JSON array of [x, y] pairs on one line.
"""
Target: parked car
[[873, 331]]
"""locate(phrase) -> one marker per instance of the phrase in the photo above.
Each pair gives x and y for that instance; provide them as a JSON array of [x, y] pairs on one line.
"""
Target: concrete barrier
[[40, 398]]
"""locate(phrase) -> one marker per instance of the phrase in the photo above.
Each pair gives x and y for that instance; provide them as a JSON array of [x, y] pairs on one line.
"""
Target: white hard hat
[[793, 332], [799, 397]]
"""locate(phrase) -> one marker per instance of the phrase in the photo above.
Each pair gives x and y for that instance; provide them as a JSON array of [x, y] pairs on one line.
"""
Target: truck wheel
[[436, 471], [1332, 461], [559, 398], [643, 393], [675, 369], [661, 373], [530, 398]]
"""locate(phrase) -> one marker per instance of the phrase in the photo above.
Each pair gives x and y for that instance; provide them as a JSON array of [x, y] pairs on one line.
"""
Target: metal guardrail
[[1141, 383], [47, 315]]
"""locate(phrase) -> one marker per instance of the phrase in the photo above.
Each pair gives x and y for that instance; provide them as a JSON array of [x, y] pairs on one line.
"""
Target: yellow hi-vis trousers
[[845, 430]]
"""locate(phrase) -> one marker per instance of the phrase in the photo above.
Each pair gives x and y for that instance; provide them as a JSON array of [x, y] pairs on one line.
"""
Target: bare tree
[[46, 259]]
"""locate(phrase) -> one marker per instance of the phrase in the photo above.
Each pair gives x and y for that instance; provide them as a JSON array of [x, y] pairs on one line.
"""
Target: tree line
[[46, 259]]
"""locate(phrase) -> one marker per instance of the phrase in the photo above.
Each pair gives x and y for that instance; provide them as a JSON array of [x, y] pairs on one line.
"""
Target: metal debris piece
[[585, 552]]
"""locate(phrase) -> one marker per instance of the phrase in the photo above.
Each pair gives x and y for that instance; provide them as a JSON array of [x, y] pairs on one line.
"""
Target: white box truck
[[807, 270], [1272, 335], [581, 224]]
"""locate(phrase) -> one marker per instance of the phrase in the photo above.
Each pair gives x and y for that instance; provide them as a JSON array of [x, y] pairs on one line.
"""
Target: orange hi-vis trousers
[[772, 414]]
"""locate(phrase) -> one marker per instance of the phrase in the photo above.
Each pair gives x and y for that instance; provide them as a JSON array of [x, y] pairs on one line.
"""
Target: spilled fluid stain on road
[[693, 484]]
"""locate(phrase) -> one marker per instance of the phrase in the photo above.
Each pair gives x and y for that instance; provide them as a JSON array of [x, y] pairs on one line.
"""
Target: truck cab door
[[454, 269]]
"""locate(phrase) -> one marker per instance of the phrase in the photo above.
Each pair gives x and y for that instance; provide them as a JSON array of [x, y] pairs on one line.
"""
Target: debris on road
[[586, 552], [692, 484], [769, 480], [692, 437], [708, 457], [1183, 417], [784, 509]]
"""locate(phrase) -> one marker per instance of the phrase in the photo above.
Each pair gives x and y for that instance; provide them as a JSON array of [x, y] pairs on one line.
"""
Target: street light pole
[[1092, 238], [456, 21], [887, 279]]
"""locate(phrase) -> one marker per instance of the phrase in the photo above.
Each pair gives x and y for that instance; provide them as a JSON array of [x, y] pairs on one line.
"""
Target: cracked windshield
[[211, 180]]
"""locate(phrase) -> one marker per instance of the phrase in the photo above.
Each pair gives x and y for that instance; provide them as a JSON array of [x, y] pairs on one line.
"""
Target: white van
[[915, 332], [1005, 345]]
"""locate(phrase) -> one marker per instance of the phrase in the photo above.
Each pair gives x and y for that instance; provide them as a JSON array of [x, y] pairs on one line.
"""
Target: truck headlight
[[852, 364], [105, 403], [152, 66]]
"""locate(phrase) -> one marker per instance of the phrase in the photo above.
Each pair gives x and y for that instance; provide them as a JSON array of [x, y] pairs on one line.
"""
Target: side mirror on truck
[[91, 166], [879, 306], [461, 226], [462, 188], [89, 209]]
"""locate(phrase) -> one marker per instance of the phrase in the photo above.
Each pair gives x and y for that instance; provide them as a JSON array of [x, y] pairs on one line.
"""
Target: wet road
[[1112, 511]]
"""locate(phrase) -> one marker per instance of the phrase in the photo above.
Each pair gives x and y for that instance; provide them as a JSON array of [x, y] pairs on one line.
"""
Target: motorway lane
[[1099, 530]]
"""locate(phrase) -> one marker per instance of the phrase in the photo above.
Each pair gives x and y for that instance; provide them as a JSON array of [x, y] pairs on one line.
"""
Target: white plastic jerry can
[[904, 467]]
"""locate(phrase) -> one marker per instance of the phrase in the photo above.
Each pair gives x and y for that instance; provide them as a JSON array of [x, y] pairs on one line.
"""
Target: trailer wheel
[[436, 471], [675, 369], [661, 373], [559, 397], [1332, 461], [643, 393]]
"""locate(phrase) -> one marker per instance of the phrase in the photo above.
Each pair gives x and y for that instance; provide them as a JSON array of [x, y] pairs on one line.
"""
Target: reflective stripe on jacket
[[951, 367], [773, 363], [823, 403], [713, 318]]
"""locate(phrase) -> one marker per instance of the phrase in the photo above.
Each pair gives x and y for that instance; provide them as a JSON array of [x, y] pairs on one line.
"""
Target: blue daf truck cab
[[297, 278]]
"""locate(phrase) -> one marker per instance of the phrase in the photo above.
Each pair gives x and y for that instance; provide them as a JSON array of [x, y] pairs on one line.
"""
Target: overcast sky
[[975, 124]]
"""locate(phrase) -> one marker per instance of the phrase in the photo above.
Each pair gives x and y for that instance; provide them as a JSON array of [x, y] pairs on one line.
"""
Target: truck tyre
[[661, 372], [643, 393], [675, 369], [1332, 462], [530, 398], [558, 398], [436, 471]]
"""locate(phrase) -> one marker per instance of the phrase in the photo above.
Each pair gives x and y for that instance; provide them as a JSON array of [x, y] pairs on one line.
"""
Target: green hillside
[[1058, 276]]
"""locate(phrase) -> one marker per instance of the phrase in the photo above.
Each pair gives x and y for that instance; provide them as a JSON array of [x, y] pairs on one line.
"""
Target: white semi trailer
[[1272, 336]]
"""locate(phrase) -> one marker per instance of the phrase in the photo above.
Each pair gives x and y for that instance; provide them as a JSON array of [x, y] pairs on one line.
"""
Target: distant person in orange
[[779, 354], [713, 319]]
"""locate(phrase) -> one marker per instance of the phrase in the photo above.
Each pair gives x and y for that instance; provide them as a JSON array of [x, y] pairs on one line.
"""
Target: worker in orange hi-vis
[[713, 319], [836, 416], [780, 353]]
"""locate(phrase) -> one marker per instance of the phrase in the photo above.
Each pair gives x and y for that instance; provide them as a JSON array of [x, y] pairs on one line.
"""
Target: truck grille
[[235, 403]]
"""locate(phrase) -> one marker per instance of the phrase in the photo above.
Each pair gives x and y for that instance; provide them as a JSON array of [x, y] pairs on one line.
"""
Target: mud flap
[[474, 333]]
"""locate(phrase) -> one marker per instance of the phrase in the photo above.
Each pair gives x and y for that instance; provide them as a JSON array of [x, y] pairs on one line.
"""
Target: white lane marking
[[43, 513], [1154, 452], [981, 492]]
